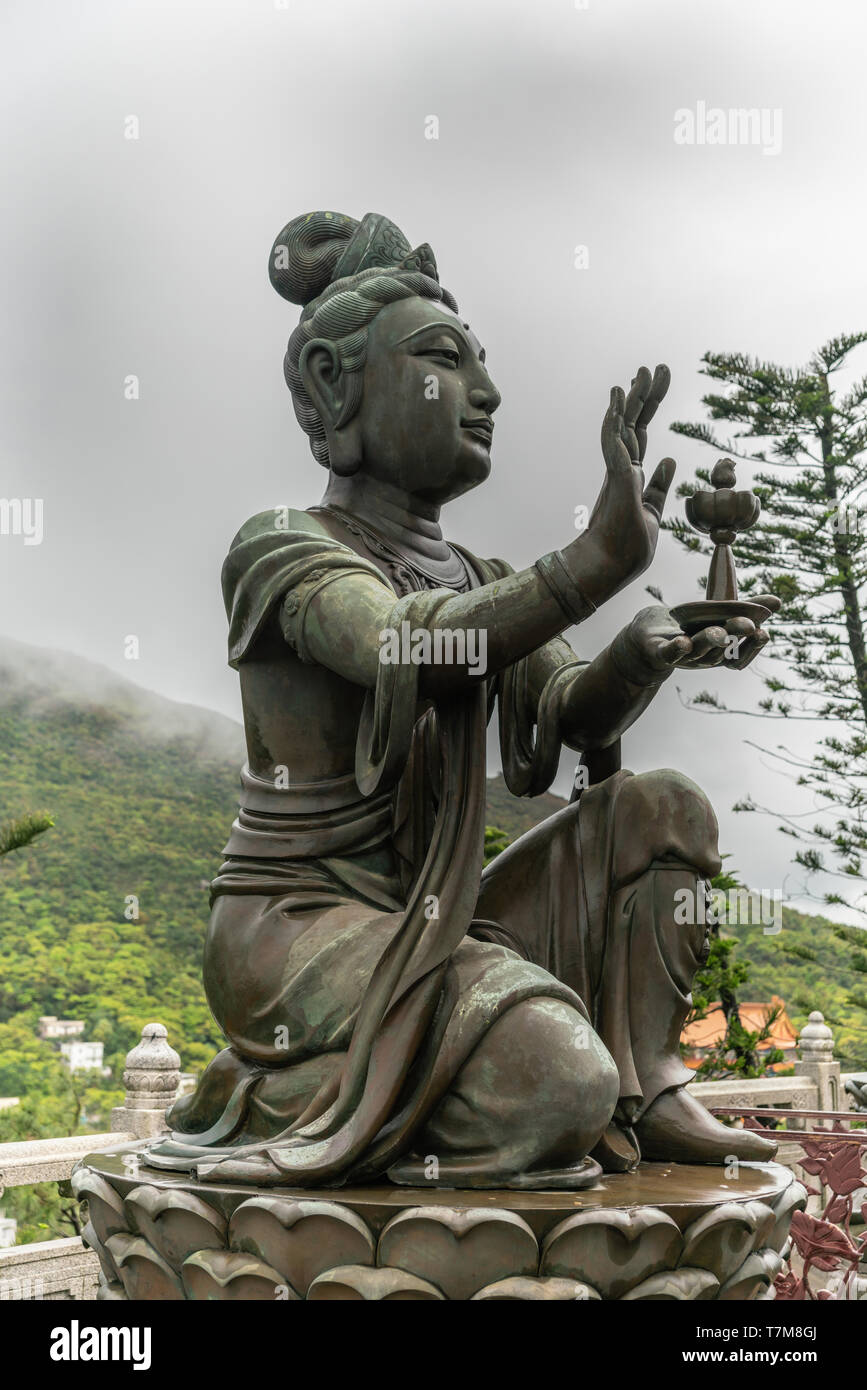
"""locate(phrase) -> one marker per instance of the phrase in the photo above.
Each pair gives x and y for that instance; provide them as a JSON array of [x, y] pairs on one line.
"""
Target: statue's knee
[[664, 790], [575, 1089], [537, 1092], [663, 815]]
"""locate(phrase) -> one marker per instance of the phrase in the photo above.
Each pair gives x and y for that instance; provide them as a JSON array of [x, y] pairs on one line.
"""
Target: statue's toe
[[676, 1128]]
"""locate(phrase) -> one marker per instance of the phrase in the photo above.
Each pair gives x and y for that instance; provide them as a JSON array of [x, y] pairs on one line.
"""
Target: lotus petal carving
[[103, 1254], [144, 1273], [549, 1290], [104, 1206], [232, 1277], [793, 1199], [764, 1214], [460, 1250], [175, 1223], [612, 1250], [721, 1239], [350, 1283], [680, 1285], [301, 1239], [756, 1274]]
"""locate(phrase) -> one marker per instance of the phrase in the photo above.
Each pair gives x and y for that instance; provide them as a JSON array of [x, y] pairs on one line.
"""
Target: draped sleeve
[[270, 562], [530, 737]]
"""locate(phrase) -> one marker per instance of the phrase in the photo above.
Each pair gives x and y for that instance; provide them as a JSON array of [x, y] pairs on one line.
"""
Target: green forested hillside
[[142, 793], [813, 964]]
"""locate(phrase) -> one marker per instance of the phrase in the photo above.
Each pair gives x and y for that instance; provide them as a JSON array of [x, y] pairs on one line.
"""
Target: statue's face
[[425, 415]]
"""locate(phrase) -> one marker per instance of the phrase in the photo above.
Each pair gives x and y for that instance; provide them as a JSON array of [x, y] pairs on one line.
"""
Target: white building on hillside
[[83, 1056], [51, 1027]]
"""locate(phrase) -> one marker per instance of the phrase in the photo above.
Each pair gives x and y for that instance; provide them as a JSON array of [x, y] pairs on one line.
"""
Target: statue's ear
[[335, 394], [320, 371]]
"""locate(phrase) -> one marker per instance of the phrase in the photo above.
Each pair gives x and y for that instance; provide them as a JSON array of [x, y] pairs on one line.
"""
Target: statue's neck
[[411, 525]]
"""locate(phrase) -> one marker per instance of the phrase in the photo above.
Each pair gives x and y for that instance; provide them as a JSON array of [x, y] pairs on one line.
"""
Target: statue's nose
[[486, 398]]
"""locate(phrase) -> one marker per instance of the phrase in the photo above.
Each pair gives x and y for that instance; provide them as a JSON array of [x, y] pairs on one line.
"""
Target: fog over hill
[[40, 679]]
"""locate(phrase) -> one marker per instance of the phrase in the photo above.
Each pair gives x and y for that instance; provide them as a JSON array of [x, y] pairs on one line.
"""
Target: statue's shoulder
[[279, 521], [273, 551]]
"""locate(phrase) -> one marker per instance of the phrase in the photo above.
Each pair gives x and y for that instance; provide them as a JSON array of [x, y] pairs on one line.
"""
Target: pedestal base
[[666, 1232]]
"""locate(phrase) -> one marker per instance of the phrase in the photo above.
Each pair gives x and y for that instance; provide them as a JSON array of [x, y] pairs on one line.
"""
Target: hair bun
[[304, 256]]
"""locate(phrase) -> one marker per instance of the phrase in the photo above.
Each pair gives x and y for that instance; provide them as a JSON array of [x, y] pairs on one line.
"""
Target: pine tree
[[809, 547], [17, 834]]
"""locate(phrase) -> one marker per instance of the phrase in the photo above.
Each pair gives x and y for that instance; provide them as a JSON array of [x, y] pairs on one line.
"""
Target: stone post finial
[[150, 1080], [816, 1060], [815, 1039]]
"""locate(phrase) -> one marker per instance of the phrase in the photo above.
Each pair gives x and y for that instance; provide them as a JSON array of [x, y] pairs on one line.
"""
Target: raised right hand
[[621, 536]]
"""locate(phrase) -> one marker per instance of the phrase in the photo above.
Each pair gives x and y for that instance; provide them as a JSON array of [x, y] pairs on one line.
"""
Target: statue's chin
[[473, 471]]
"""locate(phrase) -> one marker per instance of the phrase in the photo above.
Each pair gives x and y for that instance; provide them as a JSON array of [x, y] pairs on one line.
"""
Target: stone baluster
[[816, 1060], [150, 1080]]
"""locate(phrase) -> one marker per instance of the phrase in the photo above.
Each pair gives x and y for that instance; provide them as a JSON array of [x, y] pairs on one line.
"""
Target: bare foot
[[677, 1129]]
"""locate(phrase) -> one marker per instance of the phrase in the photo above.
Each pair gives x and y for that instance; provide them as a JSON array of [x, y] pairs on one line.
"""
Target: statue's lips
[[482, 429]]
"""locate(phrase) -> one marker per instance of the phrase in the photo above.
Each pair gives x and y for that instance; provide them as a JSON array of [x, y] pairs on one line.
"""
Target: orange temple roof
[[707, 1032]]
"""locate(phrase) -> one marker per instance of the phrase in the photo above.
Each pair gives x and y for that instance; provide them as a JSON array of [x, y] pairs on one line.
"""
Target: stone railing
[[818, 1083], [66, 1268]]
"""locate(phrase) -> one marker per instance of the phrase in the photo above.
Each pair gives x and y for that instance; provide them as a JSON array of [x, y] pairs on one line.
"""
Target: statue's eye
[[447, 354]]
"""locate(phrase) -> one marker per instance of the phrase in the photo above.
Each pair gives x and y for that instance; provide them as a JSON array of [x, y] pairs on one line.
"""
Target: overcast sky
[[556, 123]]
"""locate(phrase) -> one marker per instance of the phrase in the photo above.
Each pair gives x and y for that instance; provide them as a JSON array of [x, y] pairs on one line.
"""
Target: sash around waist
[[296, 798], [316, 833]]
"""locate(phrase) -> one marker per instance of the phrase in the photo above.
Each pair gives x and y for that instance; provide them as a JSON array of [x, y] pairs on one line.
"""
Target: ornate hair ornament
[[379, 242]]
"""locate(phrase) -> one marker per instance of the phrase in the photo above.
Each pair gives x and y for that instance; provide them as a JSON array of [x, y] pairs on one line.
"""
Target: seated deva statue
[[392, 1011]]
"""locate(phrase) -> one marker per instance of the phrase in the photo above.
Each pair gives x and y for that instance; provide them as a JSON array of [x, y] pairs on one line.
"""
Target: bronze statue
[[390, 1008]]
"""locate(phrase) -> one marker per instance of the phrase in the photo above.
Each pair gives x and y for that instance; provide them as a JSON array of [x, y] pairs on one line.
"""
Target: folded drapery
[[426, 776]]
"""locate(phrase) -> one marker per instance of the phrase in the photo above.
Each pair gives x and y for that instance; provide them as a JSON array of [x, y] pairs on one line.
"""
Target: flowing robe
[[351, 960]]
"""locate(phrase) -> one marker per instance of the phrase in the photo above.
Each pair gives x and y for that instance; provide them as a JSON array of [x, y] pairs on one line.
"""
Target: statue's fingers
[[768, 601], [742, 629], [638, 393], [614, 451], [657, 489], [630, 441], [658, 391], [708, 646], [674, 649], [751, 647]]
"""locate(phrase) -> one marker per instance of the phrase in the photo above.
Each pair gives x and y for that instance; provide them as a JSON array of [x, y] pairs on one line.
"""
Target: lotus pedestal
[[666, 1232]]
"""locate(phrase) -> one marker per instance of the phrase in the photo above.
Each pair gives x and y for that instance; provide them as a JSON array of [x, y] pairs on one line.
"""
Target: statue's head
[[386, 377]]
